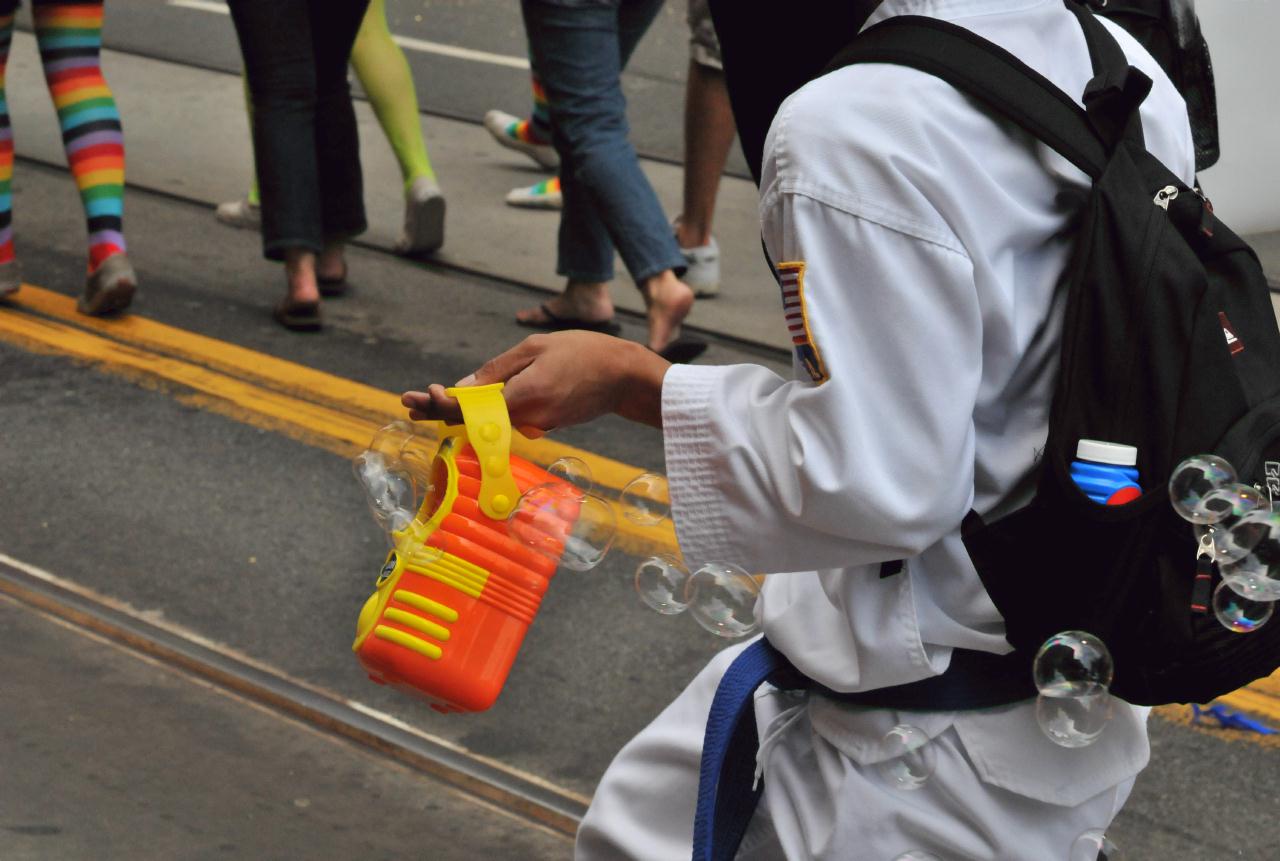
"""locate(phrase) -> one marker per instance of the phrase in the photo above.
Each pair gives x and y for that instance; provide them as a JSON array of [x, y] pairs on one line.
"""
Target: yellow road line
[[235, 389], [291, 378]]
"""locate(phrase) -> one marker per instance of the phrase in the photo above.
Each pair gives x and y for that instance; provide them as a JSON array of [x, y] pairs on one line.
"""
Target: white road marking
[[407, 42]]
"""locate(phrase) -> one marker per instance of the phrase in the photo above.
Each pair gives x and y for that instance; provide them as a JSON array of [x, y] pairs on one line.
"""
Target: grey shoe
[[10, 278], [703, 269], [110, 288], [239, 213], [423, 218]]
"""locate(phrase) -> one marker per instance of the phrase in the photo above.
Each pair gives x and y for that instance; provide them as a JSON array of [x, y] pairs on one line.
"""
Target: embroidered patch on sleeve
[[791, 280]]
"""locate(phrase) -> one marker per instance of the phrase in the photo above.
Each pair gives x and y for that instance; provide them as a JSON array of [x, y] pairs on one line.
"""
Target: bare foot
[[668, 301], [331, 265], [583, 302], [300, 277]]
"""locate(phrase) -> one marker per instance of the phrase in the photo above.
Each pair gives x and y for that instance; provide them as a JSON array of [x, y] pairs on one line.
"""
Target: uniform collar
[[948, 9]]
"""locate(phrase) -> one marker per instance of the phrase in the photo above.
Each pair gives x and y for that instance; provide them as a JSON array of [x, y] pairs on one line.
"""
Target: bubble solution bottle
[[1106, 471]]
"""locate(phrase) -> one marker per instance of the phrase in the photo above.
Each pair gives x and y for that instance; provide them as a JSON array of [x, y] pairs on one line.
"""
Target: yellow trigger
[[484, 414]]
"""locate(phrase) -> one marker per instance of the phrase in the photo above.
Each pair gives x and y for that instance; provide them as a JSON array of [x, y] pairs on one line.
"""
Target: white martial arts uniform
[[933, 236]]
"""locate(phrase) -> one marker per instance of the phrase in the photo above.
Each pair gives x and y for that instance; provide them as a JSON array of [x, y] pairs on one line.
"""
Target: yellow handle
[[484, 414]]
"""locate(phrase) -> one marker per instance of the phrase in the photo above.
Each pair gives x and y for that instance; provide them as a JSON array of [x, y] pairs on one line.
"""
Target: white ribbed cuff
[[695, 462]]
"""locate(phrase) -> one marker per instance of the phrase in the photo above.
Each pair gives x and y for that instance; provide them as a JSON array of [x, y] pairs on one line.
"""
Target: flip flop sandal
[[298, 316], [555, 323], [683, 350], [331, 287]]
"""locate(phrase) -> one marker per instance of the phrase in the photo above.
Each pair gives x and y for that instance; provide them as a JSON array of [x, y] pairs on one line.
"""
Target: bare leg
[[708, 133], [331, 264], [300, 276], [668, 301]]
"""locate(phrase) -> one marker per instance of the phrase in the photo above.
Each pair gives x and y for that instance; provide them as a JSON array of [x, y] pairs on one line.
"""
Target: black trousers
[[304, 127]]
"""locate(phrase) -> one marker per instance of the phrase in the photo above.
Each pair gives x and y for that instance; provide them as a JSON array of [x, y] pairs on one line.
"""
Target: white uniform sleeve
[[875, 463]]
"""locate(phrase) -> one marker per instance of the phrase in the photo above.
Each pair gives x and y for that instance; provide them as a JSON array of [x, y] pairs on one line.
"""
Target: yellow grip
[[484, 414]]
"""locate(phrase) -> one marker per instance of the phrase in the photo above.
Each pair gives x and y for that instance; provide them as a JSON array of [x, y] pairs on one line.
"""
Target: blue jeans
[[304, 128], [579, 48]]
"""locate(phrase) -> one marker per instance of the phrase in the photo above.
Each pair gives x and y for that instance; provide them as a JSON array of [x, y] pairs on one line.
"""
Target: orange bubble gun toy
[[457, 592]]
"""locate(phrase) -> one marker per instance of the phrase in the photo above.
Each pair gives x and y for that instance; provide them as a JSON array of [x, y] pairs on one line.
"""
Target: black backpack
[[1170, 32], [1155, 284]]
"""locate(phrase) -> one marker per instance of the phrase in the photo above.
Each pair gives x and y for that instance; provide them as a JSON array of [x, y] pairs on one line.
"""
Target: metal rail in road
[[519, 793]]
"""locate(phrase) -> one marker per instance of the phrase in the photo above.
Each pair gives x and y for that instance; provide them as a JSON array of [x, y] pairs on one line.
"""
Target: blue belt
[[726, 795]]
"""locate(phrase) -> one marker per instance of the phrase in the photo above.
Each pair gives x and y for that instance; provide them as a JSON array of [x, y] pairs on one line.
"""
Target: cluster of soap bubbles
[[396, 474], [1237, 528], [1073, 672], [565, 523], [721, 597]]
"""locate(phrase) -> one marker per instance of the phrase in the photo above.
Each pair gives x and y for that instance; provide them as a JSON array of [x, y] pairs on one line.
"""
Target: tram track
[[539, 802]]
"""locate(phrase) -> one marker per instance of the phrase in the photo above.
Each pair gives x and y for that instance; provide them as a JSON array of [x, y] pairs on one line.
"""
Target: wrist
[[639, 376]]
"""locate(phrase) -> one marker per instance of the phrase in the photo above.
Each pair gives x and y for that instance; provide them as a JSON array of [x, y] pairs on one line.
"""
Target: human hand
[[560, 379]]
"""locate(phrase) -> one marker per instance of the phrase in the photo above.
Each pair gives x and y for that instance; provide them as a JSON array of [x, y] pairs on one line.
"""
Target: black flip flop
[[554, 323], [331, 287], [683, 350], [298, 316]]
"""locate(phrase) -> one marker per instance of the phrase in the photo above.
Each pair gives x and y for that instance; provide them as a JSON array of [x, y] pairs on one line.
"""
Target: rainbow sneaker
[[513, 133], [540, 195]]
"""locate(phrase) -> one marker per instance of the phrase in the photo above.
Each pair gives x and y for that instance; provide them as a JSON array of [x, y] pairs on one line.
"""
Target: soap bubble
[[1093, 845], [1073, 721], [388, 490], [555, 521], [1195, 478], [417, 458], [1253, 551], [1238, 613], [724, 599], [1072, 664], [388, 441], [661, 582], [917, 855], [646, 499], [908, 758], [1235, 500], [575, 471]]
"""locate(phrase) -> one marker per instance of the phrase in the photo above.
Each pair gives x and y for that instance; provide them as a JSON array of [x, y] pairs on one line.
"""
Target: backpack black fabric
[[1154, 280], [1170, 32]]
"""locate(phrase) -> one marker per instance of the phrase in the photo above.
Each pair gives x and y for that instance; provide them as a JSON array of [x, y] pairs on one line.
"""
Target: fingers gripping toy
[[456, 593]]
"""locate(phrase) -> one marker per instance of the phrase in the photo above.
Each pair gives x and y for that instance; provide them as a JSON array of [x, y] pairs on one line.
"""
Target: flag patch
[[791, 281]]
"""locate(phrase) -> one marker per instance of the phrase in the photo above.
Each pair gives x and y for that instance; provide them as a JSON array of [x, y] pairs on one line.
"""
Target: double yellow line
[[319, 409], [311, 406]]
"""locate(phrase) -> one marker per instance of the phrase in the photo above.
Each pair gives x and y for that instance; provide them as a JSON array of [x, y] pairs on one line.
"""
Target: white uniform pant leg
[[644, 806]]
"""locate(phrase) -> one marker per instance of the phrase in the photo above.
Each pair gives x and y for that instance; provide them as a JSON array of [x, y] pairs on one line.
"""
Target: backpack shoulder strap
[[988, 73]]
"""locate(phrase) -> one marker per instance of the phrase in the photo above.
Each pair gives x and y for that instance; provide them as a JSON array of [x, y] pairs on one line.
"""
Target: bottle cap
[[1113, 453]]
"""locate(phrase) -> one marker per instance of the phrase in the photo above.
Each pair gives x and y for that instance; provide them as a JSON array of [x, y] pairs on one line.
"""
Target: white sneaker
[[540, 195], [502, 126], [239, 213], [423, 218], [703, 272]]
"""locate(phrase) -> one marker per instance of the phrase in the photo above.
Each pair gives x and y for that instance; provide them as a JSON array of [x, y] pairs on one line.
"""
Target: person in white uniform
[[919, 242]]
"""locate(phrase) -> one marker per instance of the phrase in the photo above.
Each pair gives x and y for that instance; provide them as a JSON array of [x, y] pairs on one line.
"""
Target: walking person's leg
[[384, 74], [708, 134], [276, 44], [69, 35], [10, 279], [579, 52]]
